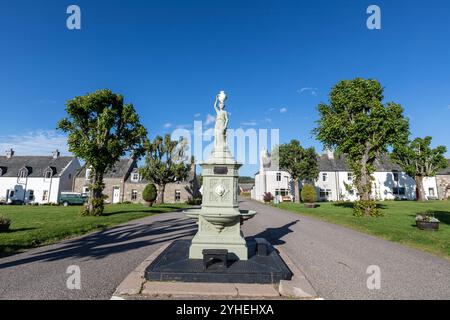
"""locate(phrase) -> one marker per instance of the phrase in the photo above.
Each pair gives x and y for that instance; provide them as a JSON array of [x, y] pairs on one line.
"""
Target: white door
[[116, 195]]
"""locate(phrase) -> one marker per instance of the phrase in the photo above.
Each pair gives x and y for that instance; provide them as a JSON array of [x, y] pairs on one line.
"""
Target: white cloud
[[251, 123], [167, 125], [39, 142], [197, 115], [283, 110], [312, 91], [210, 119], [184, 126]]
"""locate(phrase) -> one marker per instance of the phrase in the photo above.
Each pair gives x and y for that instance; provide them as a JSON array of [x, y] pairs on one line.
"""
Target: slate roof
[[339, 163], [36, 165], [446, 171], [119, 171], [382, 164]]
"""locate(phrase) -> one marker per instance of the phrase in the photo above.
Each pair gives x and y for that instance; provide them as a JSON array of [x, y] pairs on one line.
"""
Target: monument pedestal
[[219, 220]]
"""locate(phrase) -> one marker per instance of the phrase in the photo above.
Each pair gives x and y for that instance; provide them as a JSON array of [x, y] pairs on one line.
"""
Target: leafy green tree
[[299, 162], [357, 123], [101, 129], [419, 160], [165, 163], [150, 194]]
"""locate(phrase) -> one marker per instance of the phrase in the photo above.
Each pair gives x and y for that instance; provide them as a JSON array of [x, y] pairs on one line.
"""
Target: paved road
[[334, 259]]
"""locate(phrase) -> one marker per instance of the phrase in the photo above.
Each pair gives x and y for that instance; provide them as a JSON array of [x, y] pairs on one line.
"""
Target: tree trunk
[[364, 186], [296, 191], [420, 190], [161, 190], [95, 203]]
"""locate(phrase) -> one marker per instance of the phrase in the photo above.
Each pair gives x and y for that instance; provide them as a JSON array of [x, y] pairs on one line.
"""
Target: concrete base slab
[[135, 286]]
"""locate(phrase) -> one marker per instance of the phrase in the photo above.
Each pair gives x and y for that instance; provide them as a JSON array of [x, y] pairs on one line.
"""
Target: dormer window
[[135, 177], [48, 174]]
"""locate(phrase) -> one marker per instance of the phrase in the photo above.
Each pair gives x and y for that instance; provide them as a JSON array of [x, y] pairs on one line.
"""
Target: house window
[[399, 191], [134, 194], [349, 176], [395, 176], [278, 176], [11, 194], [177, 195], [70, 176], [324, 177], [85, 190], [282, 192], [431, 192], [30, 195], [325, 193], [45, 195], [48, 174], [23, 174], [135, 177]]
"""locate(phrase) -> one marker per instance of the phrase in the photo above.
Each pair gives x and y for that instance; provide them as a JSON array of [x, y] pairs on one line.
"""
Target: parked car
[[72, 198]]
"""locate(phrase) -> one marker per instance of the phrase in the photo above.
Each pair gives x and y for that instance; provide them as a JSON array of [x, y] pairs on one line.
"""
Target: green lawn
[[397, 224], [33, 226]]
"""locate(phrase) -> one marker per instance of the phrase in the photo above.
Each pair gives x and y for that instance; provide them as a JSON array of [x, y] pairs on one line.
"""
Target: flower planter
[[4, 227], [310, 205], [425, 225]]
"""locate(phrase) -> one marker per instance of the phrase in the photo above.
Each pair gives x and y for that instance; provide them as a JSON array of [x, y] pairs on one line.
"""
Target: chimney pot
[[56, 154], [9, 153]]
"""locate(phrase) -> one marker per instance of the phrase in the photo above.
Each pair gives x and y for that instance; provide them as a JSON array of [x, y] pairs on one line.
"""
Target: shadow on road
[[274, 235], [113, 241]]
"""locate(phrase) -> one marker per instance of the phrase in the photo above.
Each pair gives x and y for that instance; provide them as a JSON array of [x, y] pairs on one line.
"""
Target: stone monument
[[219, 220]]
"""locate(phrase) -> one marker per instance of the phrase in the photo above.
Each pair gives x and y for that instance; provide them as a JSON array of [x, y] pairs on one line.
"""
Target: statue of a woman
[[220, 130]]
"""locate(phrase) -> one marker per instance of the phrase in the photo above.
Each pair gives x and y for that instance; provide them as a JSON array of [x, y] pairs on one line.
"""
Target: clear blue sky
[[169, 58]]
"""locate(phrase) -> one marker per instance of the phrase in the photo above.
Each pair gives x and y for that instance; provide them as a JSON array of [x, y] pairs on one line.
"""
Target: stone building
[[124, 184], [443, 182]]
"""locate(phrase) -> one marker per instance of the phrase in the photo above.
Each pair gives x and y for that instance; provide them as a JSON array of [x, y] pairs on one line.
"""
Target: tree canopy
[[419, 160], [165, 162], [357, 123], [101, 130], [301, 163]]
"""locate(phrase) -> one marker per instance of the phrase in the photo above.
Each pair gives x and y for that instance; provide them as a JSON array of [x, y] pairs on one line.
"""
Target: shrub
[[4, 220], [267, 197], [309, 194], [150, 193], [4, 224], [366, 208]]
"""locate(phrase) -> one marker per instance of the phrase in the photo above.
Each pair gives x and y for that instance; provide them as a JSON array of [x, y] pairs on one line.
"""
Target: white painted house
[[36, 179], [335, 181]]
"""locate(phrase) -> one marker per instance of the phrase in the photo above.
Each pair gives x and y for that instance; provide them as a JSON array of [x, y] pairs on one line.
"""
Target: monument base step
[[173, 264]]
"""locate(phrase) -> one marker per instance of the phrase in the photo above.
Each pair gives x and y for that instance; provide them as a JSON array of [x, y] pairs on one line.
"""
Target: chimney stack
[[56, 154], [329, 153], [9, 153]]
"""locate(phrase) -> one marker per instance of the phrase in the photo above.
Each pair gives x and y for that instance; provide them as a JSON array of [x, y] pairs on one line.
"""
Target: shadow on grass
[[144, 209], [19, 230], [350, 205]]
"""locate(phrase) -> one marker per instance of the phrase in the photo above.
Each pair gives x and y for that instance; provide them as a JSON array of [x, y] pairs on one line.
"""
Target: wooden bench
[[215, 256]]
